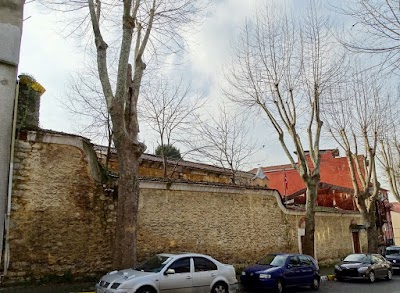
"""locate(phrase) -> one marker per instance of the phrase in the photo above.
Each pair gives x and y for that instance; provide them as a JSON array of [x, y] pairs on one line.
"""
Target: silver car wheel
[[389, 275], [371, 276], [145, 290], [220, 288], [315, 284], [279, 286]]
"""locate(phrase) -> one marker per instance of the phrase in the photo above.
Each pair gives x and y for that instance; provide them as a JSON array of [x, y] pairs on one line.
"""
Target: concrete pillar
[[11, 16]]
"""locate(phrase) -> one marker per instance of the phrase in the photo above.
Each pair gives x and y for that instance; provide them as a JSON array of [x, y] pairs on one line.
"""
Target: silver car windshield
[[273, 260], [154, 264], [358, 258]]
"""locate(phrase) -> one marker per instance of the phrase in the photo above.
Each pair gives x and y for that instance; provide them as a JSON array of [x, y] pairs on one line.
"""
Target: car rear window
[[392, 251], [202, 264]]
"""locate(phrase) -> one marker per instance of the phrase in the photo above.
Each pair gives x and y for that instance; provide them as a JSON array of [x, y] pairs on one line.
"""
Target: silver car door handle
[[213, 275], [188, 277]]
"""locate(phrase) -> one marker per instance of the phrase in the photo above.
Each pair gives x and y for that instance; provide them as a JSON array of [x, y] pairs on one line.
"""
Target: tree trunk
[[128, 203], [108, 156], [311, 197], [368, 213], [164, 159], [373, 239], [372, 231], [129, 151]]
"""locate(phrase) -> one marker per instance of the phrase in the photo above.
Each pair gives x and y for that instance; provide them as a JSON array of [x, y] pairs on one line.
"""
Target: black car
[[392, 254], [363, 266]]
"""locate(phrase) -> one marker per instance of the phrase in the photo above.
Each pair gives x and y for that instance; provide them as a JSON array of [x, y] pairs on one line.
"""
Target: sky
[[52, 58]]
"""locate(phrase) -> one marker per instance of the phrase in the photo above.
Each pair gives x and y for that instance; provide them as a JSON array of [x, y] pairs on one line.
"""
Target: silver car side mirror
[[169, 272]]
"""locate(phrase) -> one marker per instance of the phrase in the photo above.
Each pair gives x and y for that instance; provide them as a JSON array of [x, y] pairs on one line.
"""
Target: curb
[[323, 278], [328, 278]]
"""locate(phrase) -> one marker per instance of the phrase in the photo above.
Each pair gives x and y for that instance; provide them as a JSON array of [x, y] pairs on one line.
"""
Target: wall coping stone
[[72, 140]]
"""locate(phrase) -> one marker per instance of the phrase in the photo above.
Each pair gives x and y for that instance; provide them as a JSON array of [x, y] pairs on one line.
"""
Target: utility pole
[[11, 17]]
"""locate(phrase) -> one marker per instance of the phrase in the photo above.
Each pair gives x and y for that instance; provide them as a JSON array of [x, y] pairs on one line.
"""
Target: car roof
[[183, 254], [290, 254], [367, 253]]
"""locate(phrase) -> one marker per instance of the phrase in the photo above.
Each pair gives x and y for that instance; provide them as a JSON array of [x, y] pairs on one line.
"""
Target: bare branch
[[223, 139]]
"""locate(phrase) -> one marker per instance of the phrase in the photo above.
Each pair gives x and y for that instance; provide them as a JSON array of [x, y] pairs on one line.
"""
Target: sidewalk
[[89, 287], [327, 271], [61, 288]]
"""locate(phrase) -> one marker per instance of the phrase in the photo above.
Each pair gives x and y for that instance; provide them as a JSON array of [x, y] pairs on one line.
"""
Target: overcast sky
[[51, 59]]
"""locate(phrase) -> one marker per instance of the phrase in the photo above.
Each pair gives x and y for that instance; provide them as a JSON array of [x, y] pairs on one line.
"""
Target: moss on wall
[[30, 92]]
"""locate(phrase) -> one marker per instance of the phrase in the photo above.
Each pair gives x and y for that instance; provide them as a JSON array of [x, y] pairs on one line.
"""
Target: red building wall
[[334, 170], [335, 190]]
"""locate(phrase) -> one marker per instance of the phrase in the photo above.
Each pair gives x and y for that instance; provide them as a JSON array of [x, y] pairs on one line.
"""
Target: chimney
[[30, 92], [259, 178]]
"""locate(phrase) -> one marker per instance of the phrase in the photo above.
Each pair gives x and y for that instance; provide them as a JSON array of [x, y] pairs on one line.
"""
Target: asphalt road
[[380, 286]]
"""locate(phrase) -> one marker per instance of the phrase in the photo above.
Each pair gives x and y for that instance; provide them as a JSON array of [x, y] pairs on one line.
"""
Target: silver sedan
[[172, 273]]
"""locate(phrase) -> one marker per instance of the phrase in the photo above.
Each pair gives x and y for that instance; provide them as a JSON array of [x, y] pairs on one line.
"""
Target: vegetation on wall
[[30, 92]]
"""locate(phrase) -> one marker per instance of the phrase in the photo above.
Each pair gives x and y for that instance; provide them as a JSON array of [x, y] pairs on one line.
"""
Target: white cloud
[[50, 58]]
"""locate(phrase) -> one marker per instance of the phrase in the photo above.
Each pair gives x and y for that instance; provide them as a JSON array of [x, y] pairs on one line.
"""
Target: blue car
[[276, 272], [392, 254]]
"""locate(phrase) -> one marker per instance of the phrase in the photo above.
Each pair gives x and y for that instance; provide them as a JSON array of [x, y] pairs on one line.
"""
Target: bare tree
[[283, 66], [376, 29], [389, 156], [169, 109], [134, 28], [356, 117], [389, 149], [223, 139], [85, 101]]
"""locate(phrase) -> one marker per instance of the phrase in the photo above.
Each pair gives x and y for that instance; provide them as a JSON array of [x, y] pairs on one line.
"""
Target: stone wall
[[396, 227], [334, 238], [232, 224], [59, 212], [237, 225], [62, 219]]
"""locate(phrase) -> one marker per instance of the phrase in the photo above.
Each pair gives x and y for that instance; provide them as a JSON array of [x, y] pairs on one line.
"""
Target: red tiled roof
[[278, 168], [187, 164]]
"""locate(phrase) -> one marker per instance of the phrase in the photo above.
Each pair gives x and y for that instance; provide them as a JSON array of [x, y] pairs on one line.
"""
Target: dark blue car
[[392, 254], [276, 272]]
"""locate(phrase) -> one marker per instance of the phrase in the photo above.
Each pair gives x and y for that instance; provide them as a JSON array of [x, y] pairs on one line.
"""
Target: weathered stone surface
[[62, 221], [54, 226]]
